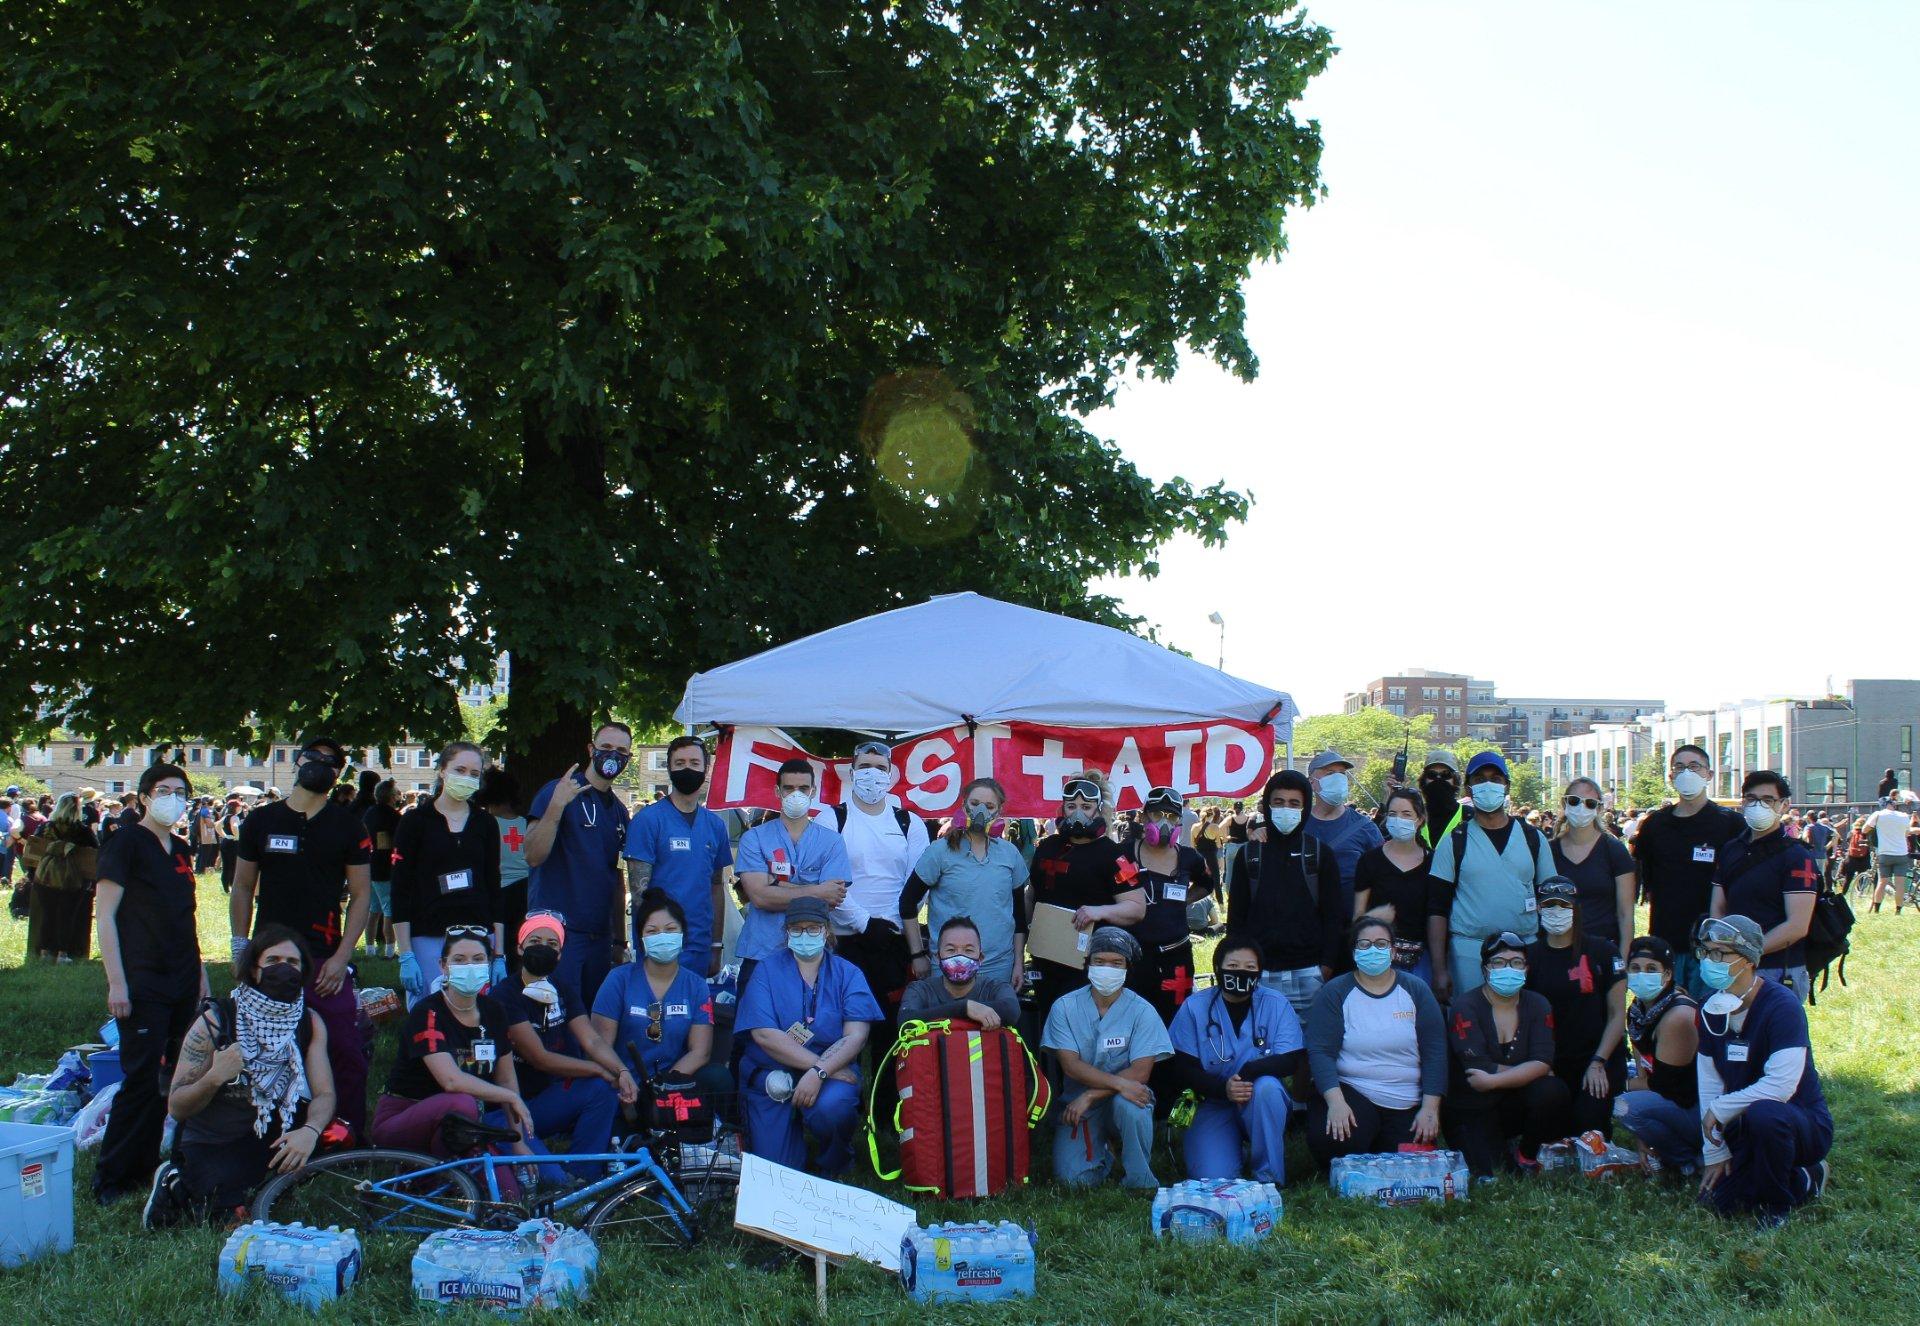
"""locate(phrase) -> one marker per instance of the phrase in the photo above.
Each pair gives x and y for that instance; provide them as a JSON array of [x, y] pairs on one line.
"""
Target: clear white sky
[[1611, 307]]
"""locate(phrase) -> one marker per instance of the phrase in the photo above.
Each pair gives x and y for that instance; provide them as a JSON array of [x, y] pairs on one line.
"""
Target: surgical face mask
[[807, 943], [1238, 984], [1507, 980], [1556, 920], [1402, 827], [1759, 818], [609, 764], [1645, 985], [663, 947], [1716, 975], [540, 959], [1372, 961], [979, 816], [870, 785], [460, 786], [794, 804], [687, 781], [1489, 797], [1106, 980], [959, 968], [1689, 784], [1285, 819], [1580, 816], [167, 808], [469, 978], [281, 982], [1335, 789]]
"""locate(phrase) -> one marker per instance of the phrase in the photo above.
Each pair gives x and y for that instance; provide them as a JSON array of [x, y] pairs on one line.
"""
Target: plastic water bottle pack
[[1236, 1210], [1402, 1178], [946, 1263], [538, 1265], [310, 1266]]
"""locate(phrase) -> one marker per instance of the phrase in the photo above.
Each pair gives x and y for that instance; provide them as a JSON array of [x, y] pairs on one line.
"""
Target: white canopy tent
[[966, 657]]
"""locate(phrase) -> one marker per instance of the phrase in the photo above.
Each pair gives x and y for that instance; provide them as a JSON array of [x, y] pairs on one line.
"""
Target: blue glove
[[500, 971], [410, 973]]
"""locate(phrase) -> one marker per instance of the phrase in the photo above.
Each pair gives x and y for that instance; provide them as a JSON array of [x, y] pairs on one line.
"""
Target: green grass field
[[1554, 1250]]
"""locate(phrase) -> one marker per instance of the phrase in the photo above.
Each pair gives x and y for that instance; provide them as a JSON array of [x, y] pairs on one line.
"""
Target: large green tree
[[348, 343]]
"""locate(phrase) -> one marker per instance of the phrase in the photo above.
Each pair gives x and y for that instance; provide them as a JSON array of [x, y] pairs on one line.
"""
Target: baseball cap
[[1326, 759], [1441, 757], [1557, 889], [806, 909], [1489, 759]]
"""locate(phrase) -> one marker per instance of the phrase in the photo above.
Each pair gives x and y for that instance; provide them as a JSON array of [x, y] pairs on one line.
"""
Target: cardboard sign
[[1223, 758], [832, 1220]]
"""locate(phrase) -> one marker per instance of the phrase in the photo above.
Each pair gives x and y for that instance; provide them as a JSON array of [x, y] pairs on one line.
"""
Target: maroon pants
[[346, 1052], [414, 1125]]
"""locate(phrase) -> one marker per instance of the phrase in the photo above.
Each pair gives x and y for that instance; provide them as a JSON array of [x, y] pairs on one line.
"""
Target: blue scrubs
[[580, 879], [684, 851], [627, 999], [580, 1108], [1202, 1029], [769, 849], [777, 997]]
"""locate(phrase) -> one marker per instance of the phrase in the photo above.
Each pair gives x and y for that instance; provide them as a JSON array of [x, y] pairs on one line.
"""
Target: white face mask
[[1106, 979], [1689, 784], [1580, 816], [1760, 818], [870, 785], [1285, 818], [167, 808], [1402, 827], [1721, 1002], [794, 805], [1556, 920]]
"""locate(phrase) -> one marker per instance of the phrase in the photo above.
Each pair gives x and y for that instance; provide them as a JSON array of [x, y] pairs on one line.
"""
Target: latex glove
[[410, 973], [500, 970]]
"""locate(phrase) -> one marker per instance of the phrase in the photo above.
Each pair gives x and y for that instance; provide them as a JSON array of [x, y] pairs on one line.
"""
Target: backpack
[[221, 1007], [900, 817], [1309, 866], [1827, 940], [969, 1100], [1459, 840]]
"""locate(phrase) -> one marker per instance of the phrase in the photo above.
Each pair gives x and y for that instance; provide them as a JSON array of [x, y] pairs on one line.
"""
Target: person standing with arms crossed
[[573, 856], [297, 857]]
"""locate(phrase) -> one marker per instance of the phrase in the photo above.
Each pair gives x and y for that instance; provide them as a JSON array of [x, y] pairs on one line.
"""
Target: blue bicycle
[[378, 1190]]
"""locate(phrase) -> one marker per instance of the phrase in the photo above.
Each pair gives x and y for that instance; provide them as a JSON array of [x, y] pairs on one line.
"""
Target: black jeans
[[1534, 1113], [881, 955], [150, 1037], [1375, 1127]]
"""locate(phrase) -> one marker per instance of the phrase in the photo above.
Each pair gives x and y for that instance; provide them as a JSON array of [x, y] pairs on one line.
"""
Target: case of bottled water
[[1402, 1178], [947, 1263], [310, 1266], [538, 1265], [1236, 1210]]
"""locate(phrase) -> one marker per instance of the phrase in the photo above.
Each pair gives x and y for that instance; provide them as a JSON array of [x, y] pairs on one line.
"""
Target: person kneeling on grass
[[454, 1055], [1501, 1037], [959, 989], [1234, 1047], [1107, 1039], [807, 1013], [570, 1078], [1762, 1113], [253, 1090], [1661, 1106], [657, 1014]]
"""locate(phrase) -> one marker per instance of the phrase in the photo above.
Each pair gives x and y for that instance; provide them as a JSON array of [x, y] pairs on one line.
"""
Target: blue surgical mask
[[1488, 797], [1716, 975], [1645, 985], [663, 947], [1507, 980], [1402, 827], [807, 944], [1285, 818], [1372, 961], [1334, 789], [469, 978]]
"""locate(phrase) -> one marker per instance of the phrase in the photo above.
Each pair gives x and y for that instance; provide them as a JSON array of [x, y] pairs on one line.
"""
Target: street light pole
[[1221, 622]]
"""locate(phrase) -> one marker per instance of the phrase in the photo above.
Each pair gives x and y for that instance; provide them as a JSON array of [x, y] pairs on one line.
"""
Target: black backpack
[[900, 817], [1309, 866], [221, 1009], [1827, 941]]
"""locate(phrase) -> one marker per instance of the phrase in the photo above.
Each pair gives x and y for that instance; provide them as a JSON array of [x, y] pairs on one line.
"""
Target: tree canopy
[[1372, 738], [348, 345]]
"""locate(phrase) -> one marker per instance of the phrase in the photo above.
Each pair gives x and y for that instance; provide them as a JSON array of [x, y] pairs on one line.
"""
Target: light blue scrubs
[[1203, 1029], [769, 849], [1129, 1030], [960, 884], [684, 851], [779, 998]]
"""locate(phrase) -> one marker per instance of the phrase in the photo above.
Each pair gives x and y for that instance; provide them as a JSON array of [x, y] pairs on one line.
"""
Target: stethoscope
[[1213, 1031]]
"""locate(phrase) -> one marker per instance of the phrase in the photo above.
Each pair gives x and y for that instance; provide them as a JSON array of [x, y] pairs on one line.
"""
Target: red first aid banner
[[1223, 758]]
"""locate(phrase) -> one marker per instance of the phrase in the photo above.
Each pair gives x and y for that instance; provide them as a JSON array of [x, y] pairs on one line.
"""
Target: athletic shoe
[[1770, 1220], [163, 1198]]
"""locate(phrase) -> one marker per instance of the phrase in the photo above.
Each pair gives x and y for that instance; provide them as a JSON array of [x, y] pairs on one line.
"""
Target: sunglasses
[[549, 914], [1589, 802], [654, 1013], [479, 932], [319, 757]]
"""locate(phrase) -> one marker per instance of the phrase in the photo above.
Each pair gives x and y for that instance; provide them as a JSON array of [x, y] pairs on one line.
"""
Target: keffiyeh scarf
[[268, 1034]]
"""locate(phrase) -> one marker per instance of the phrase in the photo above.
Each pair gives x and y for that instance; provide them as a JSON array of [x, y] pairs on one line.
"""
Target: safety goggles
[[1164, 798], [880, 748], [1083, 789]]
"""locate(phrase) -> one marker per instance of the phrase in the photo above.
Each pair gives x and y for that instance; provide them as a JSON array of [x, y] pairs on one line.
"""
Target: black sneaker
[[163, 1198]]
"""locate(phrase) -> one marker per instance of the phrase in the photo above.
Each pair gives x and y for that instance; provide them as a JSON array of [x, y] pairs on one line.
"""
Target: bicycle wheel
[[710, 1181], [643, 1211], [338, 1190]]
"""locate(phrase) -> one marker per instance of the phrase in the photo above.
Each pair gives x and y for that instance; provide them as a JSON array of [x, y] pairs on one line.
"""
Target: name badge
[[483, 1053], [800, 1032], [1703, 854], [1113, 1043], [1083, 941], [679, 844], [1174, 893], [1736, 1054], [282, 842], [677, 1010], [780, 869], [456, 880]]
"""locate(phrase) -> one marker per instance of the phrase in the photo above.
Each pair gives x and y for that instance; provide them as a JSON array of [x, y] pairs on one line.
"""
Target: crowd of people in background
[[1449, 967]]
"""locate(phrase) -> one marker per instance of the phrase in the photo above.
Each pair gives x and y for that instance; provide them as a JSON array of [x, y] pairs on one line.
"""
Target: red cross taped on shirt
[[182, 865], [1806, 874], [1126, 872], [1582, 974], [432, 1035], [1053, 866], [1461, 1026], [513, 837], [1181, 983]]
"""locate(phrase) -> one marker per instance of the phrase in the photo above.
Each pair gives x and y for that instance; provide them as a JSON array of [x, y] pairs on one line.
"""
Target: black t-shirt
[[1410, 892], [1594, 877], [1575, 981], [1168, 895], [431, 1028], [549, 1023], [1677, 859], [303, 868], [443, 878], [1076, 875], [380, 819], [159, 942]]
